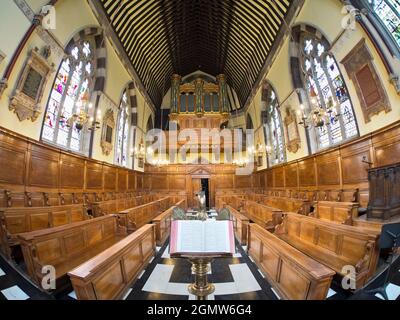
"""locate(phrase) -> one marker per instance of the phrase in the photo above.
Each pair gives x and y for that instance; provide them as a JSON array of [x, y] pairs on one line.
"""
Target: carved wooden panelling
[[353, 168], [177, 182], [291, 176], [387, 147], [94, 176], [139, 181], [242, 182], [328, 169], [122, 180], [147, 185], [72, 172], [262, 180], [224, 181], [110, 175], [270, 179], [44, 168], [131, 181], [307, 173], [256, 180], [354, 171], [12, 166], [278, 177], [159, 182]]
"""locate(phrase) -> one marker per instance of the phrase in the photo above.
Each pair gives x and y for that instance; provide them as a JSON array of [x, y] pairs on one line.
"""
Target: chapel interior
[[120, 117]]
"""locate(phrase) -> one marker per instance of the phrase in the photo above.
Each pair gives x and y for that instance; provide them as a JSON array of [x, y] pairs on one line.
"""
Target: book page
[[210, 237], [216, 237], [190, 236]]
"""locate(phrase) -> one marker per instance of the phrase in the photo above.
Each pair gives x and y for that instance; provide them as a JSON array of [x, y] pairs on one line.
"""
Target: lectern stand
[[189, 241], [201, 288], [390, 239]]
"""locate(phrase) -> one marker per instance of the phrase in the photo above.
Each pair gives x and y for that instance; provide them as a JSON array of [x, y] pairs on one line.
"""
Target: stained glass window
[[327, 92], [388, 12], [70, 95], [121, 147], [274, 130]]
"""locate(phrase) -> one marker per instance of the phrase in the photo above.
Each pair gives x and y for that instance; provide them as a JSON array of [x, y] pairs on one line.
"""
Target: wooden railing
[[14, 221], [136, 217], [334, 245], [293, 275], [109, 275], [68, 246], [163, 223], [240, 225]]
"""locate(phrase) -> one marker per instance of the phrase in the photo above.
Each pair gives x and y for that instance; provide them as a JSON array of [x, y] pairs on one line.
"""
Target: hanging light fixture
[[82, 117], [319, 117]]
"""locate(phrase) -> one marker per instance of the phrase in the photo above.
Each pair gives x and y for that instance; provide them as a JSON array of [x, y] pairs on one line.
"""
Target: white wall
[[326, 16], [72, 16]]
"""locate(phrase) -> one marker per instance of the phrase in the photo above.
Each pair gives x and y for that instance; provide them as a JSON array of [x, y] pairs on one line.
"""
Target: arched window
[[388, 11], [274, 134], [327, 92], [121, 146], [70, 96]]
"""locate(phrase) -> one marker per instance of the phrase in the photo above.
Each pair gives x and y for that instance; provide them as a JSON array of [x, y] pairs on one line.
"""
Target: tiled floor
[[236, 278]]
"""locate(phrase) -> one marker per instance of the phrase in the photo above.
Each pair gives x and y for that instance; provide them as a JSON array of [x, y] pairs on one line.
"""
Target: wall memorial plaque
[[32, 83], [108, 132], [292, 135], [29, 91], [371, 93]]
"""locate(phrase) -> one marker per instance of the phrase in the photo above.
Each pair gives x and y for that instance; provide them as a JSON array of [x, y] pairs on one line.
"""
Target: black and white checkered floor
[[236, 278]]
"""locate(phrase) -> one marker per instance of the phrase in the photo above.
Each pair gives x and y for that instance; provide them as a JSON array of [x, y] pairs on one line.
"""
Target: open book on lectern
[[202, 238]]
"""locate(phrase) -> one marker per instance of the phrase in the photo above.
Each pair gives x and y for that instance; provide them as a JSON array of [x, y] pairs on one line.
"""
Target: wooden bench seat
[[236, 201], [265, 216], [110, 274], [294, 275], [333, 244], [286, 204], [240, 225], [66, 247], [113, 206], [136, 217], [338, 212], [14, 221], [163, 223]]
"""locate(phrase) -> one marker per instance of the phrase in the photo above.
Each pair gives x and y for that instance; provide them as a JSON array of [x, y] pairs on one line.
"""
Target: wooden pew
[[163, 223], [287, 204], [240, 225], [234, 200], [294, 275], [338, 212], [102, 208], [136, 217], [263, 215], [333, 244], [66, 247], [14, 221], [22, 199], [109, 275]]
